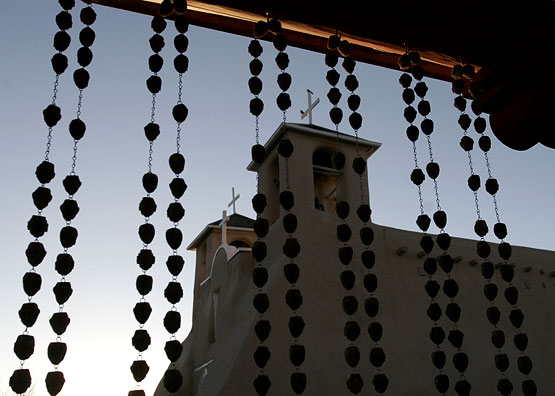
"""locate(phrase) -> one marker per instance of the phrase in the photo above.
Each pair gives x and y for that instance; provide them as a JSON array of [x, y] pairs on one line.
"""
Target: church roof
[[236, 221], [315, 130]]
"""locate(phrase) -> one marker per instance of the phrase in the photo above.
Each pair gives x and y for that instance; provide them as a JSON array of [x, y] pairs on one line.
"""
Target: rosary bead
[[61, 41], [352, 355], [24, 346], [507, 272], [493, 315], [261, 356], [69, 209], [54, 382], [460, 103], [364, 213], [440, 218], [331, 58], [336, 115], [175, 212], [490, 291], [296, 326], [343, 232], [485, 143], [291, 248], [483, 249], [87, 16], [505, 250], [375, 331], [261, 384], [409, 114], [481, 228], [405, 80], [284, 81], [480, 125], [180, 6], [145, 259], [57, 352], [521, 341], [274, 25], [28, 314], [338, 158], [255, 85], [37, 226], [432, 288], [353, 101], [256, 106], [260, 276], [439, 359], [87, 36], [423, 222], [150, 181], [344, 48], [487, 269], [524, 364], [261, 302], [377, 357], [504, 386], [141, 340], [434, 312], [380, 382], [172, 380], [450, 288], [437, 335], [282, 60], [166, 8], [81, 78], [259, 202], [156, 43], [52, 114], [354, 383], [456, 338], [62, 291], [283, 101], [355, 120], [368, 258], [259, 251], [359, 165], [173, 349], [20, 380], [260, 29], [173, 292], [180, 112], [64, 20], [172, 321], [351, 82], [285, 148], [261, 227], [412, 133], [77, 128], [297, 354], [446, 263], [404, 62], [342, 209], [152, 131], [155, 63], [68, 236], [59, 63], [334, 95], [350, 305], [421, 89], [408, 96], [45, 172], [430, 266], [371, 306], [453, 312], [444, 241], [427, 243], [347, 279], [516, 317], [500, 230], [64, 264], [351, 330], [146, 233], [59, 322], [298, 382], [177, 163], [464, 121], [255, 48], [349, 65], [332, 77], [460, 361], [345, 255], [181, 43], [175, 264], [290, 223], [144, 284], [280, 43], [467, 143], [139, 369], [158, 24], [511, 295], [42, 197], [174, 238], [366, 235], [154, 84], [529, 387], [418, 72], [474, 182], [457, 86]]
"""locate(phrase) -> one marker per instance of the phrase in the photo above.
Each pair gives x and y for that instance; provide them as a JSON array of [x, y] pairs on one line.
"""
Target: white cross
[[311, 106], [223, 226], [233, 199]]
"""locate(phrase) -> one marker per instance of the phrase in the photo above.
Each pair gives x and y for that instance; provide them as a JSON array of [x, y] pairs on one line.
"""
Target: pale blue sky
[[216, 142]]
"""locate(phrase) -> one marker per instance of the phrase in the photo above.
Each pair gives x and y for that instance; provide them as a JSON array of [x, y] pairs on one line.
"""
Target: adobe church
[[217, 358]]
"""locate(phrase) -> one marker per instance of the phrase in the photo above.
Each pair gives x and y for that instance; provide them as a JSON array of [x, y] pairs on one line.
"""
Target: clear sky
[[216, 142]]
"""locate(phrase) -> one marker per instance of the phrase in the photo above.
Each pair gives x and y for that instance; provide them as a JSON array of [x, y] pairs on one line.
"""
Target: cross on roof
[[233, 199], [223, 226], [311, 107]]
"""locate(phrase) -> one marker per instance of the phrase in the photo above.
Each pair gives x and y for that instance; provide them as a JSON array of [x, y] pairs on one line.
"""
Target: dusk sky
[[216, 141]]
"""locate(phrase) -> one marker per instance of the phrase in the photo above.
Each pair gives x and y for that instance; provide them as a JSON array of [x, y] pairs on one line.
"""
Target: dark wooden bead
[[493, 315], [297, 354], [368, 258], [261, 227], [529, 387], [462, 388], [144, 284], [24, 346], [505, 250], [432, 288], [352, 355], [355, 383], [180, 7], [345, 254], [332, 77], [434, 312], [375, 331], [511, 295], [430, 266], [338, 160], [364, 213], [20, 381], [437, 335], [296, 326], [408, 95], [285, 148], [54, 382], [467, 143], [158, 24], [456, 338], [274, 25], [283, 101], [507, 272], [343, 232], [32, 283], [181, 63], [371, 306], [139, 369], [450, 288], [440, 218], [262, 330], [377, 357], [334, 95], [342, 209], [35, 253], [504, 386], [28, 313], [427, 126], [417, 176], [178, 187], [525, 365], [353, 101], [446, 263], [175, 212], [370, 282], [290, 223], [405, 80], [81, 78], [366, 235], [259, 202], [460, 361], [474, 182], [351, 330], [71, 183], [427, 243], [443, 241], [174, 237], [460, 103], [355, 120], [175, 264], [262, 384], [282, 60], [59, 63], [87, 16], [490, 291], [66, 5], [172, 321], [173, 349], [331, 58], [412, 133], [258, 153], [260, 276], [173, 292], [59, 322], [349, 65], [62, 292], [483, 249], [432, 169], [64, 20], [424, 108], [351, 82], [255, 48], [64, 264], [142, 311], [516, 317], [291, 248], [87, 37], [261, 302], [51, 115], [380, 382], [439, 359], [61, 41], [69, 209], [350, 305], [261, 356], [172, 380], [57, 352], [521, 341], [68, 236], [359, 165], [298, 382], [293, 299], [154, 84], [347, 279], [336, 115], [180, 112], [259, 251], [418, 72], [441, 382], [280, 43], [166, 8]]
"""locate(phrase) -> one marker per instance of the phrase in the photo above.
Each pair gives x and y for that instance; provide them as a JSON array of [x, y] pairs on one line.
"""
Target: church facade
[[217, 358]]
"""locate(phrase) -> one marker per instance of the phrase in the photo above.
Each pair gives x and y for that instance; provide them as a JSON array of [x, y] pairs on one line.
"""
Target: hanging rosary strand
[[68, 234], [516, 316], [147, 207], [446, 262], [174, 237], [366, 233], [24, 345], [261, 227], [504, 385]]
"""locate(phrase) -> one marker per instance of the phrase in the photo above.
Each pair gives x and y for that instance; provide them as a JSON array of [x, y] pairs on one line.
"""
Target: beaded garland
[[516, 317], [147, 207], [68, 235], [24, 346], [174, 291], [411, 61], [262, 327]]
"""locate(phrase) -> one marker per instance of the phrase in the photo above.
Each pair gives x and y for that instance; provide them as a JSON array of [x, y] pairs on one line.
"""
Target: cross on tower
[[233, 199], [311, 106], [223, 226]]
